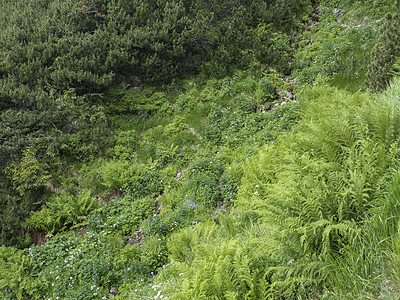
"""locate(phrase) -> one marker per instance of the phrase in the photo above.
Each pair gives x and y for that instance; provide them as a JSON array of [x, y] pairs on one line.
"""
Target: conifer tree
[[384, 53]]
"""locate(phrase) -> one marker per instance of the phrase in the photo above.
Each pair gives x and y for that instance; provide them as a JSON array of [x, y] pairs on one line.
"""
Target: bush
[[28, 175], [123, 215], [118, 101], [154, 252], [156, 225], [134, 178], [230, 182], [61, 212], [205, 165], [15, 267], [201, 189], [187, 102], [13, 210], [177, 125], [68, 266], [244, 104], [265, 91], [125, 144], [384, 53]]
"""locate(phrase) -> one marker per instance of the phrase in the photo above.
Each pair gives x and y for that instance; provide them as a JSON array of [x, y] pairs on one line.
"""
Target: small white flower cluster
[[256, 192]]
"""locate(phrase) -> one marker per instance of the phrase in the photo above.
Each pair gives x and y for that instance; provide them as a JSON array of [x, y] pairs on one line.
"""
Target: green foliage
[[13, 211], [384, 53], [207, 166], [182, 245], [28, 175], [125, 143], [68, 266], [274, 49], [15, 266], [371, 8], [186, 102], [221, 265], [157, 226], [122, 215], [178, 124], [154, 252], [128, 176], [335, 52], [317, 184], [230, 182], [201, 190], [225, 275], [371, 258], [119, 101], [205, 193], [61, 212], [265, 91], [28, 179]]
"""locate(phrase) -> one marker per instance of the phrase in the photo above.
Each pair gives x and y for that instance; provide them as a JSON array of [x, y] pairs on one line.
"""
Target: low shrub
[[61, 212], [122, 215], [201, 189], [131, 177], [265, 91], [154, 252], [15, 268]]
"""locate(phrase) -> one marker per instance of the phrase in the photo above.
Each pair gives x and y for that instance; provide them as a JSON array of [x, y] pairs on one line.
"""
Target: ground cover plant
[[199, 150]]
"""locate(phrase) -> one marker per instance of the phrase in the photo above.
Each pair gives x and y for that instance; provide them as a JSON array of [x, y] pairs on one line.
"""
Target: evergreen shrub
[[384, 53]]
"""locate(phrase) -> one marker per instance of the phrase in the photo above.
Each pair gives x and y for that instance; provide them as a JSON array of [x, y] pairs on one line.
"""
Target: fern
[[14, 272], [222, 265], [61, 212], [317, 185]]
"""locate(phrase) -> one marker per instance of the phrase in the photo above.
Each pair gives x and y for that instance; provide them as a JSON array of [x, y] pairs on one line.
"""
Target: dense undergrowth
[[266, 169]]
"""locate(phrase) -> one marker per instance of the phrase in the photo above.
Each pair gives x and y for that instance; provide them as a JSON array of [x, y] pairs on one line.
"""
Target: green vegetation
[[199, 149]]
